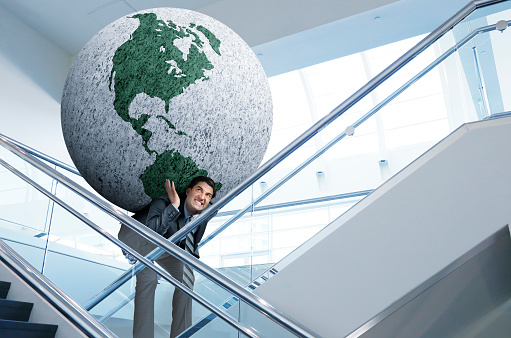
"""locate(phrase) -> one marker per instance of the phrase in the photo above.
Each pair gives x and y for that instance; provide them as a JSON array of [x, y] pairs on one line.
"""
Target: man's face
[[198, 197]]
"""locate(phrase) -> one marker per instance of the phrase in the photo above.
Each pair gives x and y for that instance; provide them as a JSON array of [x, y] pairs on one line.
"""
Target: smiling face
[[198, 198]]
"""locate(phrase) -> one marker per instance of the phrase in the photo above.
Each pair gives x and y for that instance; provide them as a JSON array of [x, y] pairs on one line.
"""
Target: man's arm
[[161, 215]]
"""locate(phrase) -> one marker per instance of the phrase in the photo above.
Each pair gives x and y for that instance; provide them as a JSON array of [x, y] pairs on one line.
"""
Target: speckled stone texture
[[165, 93]]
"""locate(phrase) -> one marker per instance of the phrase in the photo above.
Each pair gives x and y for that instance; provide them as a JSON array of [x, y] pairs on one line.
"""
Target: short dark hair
[[204, 179]]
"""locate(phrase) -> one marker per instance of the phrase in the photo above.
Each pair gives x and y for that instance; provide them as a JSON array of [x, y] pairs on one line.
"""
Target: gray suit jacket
[[163, 218]]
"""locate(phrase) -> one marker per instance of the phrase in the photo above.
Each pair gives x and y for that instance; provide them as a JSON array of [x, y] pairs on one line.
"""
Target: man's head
[[199, 193]]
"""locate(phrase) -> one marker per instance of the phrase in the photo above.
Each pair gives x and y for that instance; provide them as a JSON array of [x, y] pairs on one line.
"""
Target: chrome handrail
[[163, 273], [376, 81], [251, 299], [353, 99], [157, 252], [370, 113], [43, 286], [296, 203], [335, 113], [339, 137], [238, 214], [43, 156]]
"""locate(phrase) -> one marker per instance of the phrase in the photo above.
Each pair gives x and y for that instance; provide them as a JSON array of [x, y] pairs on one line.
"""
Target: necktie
[[189, 238], [188, 278]]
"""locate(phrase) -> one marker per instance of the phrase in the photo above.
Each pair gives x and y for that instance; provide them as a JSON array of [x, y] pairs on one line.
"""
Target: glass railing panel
[[492, 55], [24, 216], [26, 210], [204, 323], [402, 75], [116, 312], [52, 240], [25, 168], [72, 243], [216, 328], [21, 207], [487, 54], [209, 326], [415, 108], [69, 255], [261, 238], [309, 187], [497, 9], [64, 228], [213, 327]]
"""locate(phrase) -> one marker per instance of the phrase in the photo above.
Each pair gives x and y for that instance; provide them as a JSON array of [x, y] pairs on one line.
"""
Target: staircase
[[14, 318]]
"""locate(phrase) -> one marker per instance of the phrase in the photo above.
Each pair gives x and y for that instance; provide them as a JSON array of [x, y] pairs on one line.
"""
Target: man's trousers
[[143, 321]]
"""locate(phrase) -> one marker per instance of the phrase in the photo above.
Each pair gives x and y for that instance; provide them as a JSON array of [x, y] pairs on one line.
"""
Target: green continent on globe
[[150, 63], [175, 167]]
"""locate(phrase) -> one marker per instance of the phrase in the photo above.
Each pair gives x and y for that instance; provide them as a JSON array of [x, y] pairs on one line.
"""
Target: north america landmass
[[150, 63]]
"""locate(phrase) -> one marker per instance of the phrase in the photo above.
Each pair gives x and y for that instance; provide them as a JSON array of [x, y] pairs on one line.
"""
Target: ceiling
[[285, 34]]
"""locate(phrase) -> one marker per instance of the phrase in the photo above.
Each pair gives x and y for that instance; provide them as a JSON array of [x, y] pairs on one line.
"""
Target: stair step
[[16, 329], [14, 310], [4, 289]]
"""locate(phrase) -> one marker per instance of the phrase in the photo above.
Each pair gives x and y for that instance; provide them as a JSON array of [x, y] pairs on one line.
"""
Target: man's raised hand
[[172, 193]]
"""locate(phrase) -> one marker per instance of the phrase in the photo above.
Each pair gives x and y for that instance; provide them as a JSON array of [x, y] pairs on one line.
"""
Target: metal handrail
[[239, 213], [296, 203], [353, 99], [43, 286], [356, 124], [167, 276], [43, 156], [394, 67], [335, 113], [377, 108], [316, 128], [153, 255], [251, 299]]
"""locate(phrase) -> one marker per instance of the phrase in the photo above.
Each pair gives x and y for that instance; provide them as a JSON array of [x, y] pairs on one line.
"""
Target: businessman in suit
[[166, 215]]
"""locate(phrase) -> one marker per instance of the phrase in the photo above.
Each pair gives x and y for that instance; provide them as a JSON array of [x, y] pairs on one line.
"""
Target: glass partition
[[462, 77], [80, 260], [266, 235], [24, 212]]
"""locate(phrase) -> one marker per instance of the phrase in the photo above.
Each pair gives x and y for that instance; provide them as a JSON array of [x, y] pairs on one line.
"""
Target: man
[[166, 215]]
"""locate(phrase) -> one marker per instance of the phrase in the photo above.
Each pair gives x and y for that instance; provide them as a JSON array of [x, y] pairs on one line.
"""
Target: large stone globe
[[165, 93]]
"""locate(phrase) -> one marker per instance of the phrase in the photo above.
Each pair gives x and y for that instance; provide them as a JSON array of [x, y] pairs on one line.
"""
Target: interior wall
[[32, 75]]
